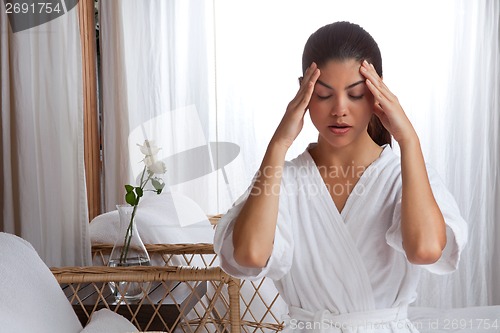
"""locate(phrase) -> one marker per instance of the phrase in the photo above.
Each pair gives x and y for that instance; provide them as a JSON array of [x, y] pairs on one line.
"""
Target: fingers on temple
[[377, 94], [307, 86], [311, 72], [378, 82]]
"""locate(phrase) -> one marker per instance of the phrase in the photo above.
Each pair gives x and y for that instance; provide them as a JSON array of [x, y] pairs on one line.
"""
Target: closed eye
[[353, 97], [356, 97]]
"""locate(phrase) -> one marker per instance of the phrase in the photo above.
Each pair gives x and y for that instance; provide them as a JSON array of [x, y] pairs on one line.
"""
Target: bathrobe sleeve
[[281, 257], [456, 227]]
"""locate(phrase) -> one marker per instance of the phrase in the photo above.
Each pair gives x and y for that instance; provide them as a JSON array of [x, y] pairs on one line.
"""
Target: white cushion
[[167, 218], [106, 321], [31, 300]]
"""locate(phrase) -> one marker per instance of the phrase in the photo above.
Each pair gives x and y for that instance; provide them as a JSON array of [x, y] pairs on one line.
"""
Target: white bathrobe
[[344, 271]]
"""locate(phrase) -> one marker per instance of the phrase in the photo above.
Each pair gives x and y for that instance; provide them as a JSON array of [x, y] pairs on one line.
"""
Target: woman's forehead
[[337, 74]]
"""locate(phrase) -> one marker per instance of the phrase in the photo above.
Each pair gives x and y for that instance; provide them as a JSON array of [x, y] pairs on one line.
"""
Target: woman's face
[[341, 105]]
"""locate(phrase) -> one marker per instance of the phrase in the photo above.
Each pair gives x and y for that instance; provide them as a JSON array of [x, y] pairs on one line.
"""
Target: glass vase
[[128, 250]]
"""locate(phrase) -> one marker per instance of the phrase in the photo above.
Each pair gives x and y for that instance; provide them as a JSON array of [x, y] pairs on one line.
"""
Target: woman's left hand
[[386, 106]]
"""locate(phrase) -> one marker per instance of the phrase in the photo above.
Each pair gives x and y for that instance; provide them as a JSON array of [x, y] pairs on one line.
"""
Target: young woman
[[345, 228]]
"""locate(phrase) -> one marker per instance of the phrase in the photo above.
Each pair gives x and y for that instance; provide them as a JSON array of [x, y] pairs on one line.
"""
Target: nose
[[339, 107]]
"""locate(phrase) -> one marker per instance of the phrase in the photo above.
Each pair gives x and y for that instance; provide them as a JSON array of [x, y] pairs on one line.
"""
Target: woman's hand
[[255, 226], [293, 120], [387, 107], [422, 224]]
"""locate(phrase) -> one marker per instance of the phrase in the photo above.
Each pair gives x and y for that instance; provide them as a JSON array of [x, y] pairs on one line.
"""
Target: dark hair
[[343, 41]]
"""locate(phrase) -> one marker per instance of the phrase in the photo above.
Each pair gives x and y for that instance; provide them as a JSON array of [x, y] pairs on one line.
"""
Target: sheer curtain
[[43, 196], [158, 84], [228, 69], [464, 143]]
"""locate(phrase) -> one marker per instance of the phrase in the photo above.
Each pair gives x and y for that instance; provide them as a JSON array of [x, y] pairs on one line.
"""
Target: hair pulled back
[[344, 41]]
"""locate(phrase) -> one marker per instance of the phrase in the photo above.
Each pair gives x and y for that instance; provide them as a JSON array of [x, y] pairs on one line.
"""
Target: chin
[[337, 142]]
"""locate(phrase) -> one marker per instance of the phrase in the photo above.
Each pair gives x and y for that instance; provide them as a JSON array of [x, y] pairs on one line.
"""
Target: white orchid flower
[[149, 148], [158, 167], [149, 160], [155, 166]]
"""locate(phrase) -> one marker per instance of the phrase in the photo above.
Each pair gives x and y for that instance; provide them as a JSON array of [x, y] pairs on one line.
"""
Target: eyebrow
[[348, 87]]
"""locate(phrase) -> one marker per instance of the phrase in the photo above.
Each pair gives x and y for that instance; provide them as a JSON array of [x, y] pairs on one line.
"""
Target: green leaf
[[130, 198], [139, 192], [129, 188]]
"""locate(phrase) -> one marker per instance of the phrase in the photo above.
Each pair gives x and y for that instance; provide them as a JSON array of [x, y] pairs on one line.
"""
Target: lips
[[339, 129]]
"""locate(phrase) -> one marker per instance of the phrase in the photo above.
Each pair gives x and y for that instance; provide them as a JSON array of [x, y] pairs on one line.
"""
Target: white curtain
[[464, 144], [43, 196], [157, 78], [227, 69]]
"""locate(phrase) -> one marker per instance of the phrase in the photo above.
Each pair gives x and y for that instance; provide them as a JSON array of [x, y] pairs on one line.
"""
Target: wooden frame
[[90, 111]]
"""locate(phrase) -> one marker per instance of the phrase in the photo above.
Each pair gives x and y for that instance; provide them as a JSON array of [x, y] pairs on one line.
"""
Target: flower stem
[[128, 237], [128, 234]]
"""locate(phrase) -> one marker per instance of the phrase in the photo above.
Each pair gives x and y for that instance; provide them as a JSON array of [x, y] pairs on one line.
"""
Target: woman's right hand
[[255, 226], [293, 120]]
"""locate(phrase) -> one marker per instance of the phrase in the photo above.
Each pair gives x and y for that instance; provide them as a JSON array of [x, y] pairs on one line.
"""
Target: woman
[[345, 228]]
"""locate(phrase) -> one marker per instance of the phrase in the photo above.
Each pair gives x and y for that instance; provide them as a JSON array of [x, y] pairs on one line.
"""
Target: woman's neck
[[363, 152]]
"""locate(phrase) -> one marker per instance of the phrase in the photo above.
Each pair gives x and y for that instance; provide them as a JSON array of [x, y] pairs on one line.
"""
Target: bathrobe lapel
[[341, 248]]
